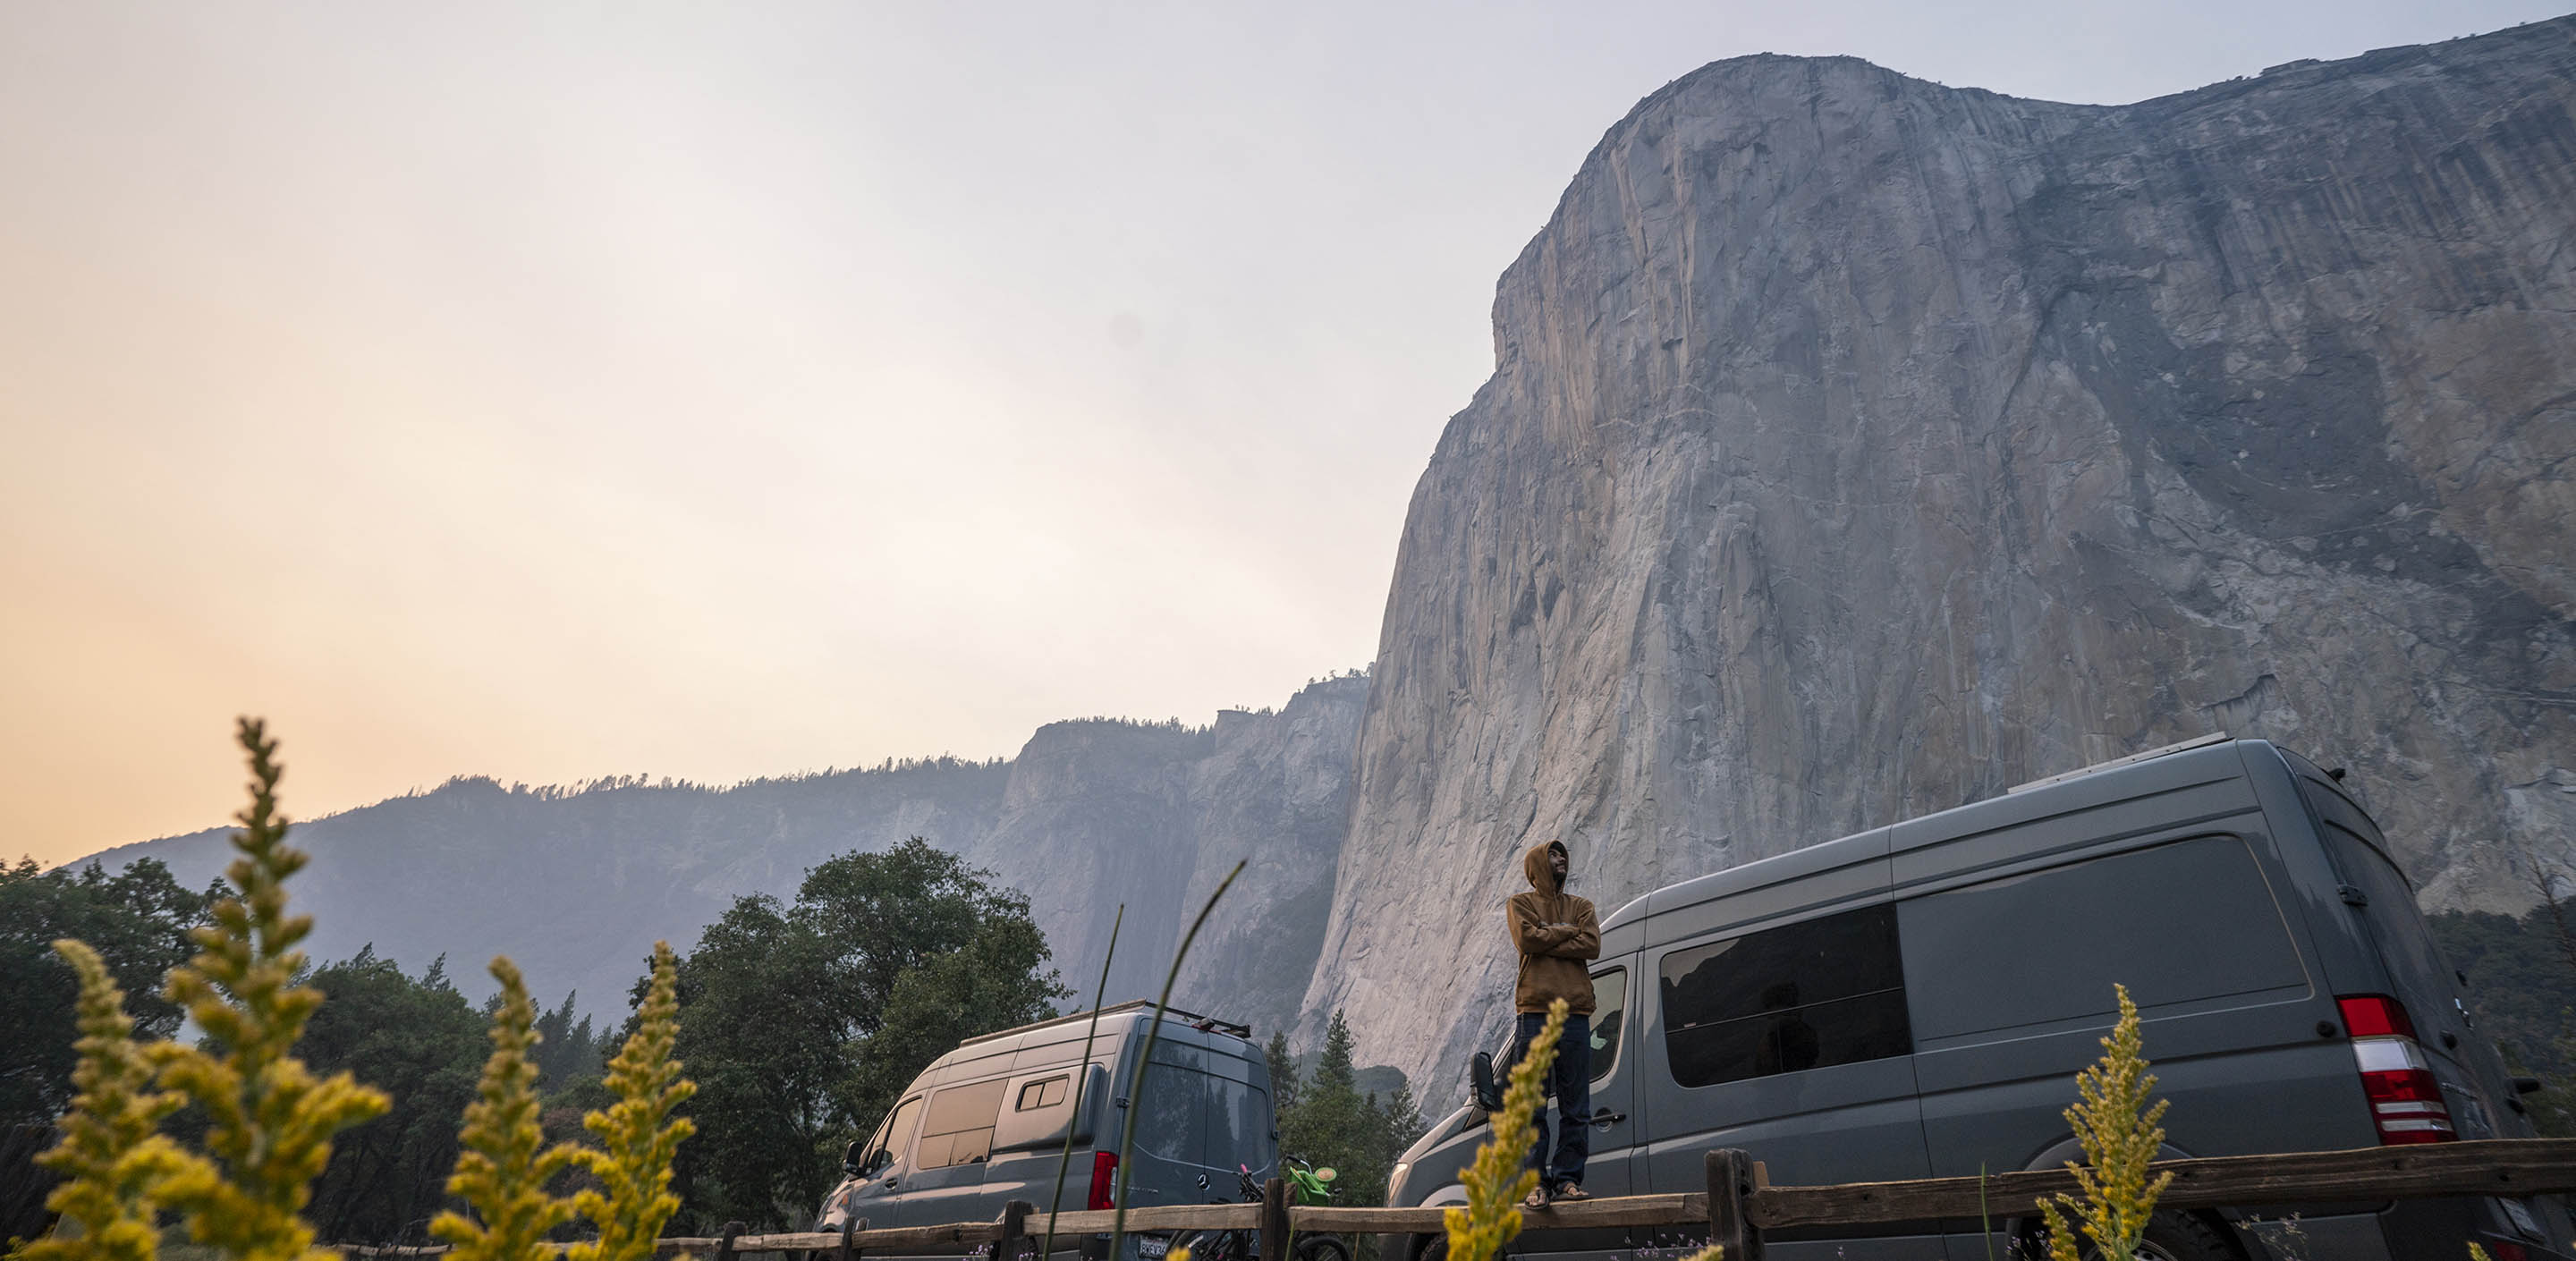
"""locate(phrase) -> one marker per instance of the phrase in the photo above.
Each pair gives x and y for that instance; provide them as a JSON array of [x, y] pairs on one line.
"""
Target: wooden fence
[[1737, 1206]]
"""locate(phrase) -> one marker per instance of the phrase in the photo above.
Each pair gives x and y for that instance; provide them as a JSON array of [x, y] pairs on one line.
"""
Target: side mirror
[[850, 1157], [1480, 1083]]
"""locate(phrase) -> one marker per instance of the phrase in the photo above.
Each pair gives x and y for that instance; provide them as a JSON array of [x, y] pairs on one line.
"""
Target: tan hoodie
[[1556, 935]]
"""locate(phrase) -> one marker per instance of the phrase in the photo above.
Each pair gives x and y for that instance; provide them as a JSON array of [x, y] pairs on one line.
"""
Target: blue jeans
[[1569, 1079]]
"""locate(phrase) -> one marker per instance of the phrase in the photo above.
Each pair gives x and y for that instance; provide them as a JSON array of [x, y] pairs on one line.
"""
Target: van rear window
[[2188, 920]]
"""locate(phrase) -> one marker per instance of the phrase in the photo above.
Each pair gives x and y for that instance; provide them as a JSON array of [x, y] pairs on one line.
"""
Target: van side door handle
[[1605, 1118], [889, 1183]]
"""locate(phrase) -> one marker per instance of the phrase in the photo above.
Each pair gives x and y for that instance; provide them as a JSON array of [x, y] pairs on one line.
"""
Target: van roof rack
[[1204, 1023], [2196, 742]]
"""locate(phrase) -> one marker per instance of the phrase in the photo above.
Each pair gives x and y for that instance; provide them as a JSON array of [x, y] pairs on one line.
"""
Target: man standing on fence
[[1556, 935]]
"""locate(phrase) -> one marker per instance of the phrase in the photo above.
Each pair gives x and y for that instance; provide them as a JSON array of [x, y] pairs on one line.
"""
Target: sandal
[[1571, 1191]]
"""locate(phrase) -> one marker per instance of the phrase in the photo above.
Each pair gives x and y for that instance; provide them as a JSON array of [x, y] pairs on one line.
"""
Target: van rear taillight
[[2405, 1099], [1104, 1177]]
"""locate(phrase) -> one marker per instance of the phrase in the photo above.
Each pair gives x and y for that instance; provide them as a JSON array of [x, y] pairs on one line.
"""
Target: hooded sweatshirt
[[1556, 935]]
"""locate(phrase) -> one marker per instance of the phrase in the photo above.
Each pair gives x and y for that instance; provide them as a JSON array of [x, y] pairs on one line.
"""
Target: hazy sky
[[558, 391]]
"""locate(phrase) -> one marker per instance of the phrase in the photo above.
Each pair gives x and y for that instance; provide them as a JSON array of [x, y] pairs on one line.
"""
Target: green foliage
[[269, 1121], [638, 1135], [1329, 1120], [111, 1155], [137, 922], [2116, 1124], [1285, 1080], [2523, 993], [1499, 1178], [801, 1021], [503, 1171], [569, 1051], [419, 1041]]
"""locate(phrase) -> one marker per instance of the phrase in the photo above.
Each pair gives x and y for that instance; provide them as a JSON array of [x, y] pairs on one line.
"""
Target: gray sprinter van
[[1915, 1001], [985, 1124]]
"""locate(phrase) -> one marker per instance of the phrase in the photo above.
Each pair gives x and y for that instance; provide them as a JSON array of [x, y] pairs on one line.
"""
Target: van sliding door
[[1793, 1044]]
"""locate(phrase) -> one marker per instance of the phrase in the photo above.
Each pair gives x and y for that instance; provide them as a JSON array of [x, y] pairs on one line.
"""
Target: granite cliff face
[[1100, 813], [1857, 447], [576, 885]]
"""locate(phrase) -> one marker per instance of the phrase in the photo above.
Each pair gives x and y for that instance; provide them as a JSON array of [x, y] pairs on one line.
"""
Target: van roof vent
[[2196, 742], [1205, 1023]]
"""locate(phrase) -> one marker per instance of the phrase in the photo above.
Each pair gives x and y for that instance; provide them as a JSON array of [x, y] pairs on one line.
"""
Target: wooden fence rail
[[1738, 1205]]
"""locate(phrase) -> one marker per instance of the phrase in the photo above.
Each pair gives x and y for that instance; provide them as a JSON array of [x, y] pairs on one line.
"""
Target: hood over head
[[1534, 865]]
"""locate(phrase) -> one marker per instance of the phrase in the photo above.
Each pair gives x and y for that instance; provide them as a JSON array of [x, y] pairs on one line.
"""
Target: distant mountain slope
[[1857, 447], [577, 885]]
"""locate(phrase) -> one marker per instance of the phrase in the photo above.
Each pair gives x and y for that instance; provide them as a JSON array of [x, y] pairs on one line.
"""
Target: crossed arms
[[1578, 940]]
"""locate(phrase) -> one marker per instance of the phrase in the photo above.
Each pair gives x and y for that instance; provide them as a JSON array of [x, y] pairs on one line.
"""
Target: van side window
[[2188, 920], [890, 1136], [1609, 1016], [1043, 1094], [1828, 991], [959, 1127]]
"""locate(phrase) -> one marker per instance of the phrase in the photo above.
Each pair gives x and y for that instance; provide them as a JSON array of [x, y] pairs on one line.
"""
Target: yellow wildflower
[[2117, 1127], [1497, 1182]]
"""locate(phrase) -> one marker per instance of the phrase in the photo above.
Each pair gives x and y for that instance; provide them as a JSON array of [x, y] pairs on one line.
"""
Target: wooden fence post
[[724, 1247], [1274, 1220], [1015, 1230], [850, 1227], [1730, 1175]]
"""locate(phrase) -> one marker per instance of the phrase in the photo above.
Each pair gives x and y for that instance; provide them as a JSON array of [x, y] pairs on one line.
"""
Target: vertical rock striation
[[1857, 447]]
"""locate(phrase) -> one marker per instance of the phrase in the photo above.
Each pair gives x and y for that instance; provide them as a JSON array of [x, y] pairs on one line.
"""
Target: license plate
[[2521, 1217], [1152, 1246]]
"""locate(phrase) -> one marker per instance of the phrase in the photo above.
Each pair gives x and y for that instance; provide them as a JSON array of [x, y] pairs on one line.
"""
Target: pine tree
[[1283, 1073]]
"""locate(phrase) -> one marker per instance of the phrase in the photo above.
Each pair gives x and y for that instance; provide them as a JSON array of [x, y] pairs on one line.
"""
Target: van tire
[[2188, 1237], [2171, 1236]]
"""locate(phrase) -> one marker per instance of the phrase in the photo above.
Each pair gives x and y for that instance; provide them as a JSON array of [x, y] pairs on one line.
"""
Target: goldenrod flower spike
[[269, 1121], [638, 1135], [505, 1165], [1497, 1182], [2117, 1127], [111, 1156]]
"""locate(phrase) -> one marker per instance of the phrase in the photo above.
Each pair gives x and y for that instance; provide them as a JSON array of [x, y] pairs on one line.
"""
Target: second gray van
[[1915, 1001], [986, 1124]]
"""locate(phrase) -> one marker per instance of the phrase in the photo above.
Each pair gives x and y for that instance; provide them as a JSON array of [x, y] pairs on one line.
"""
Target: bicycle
[[1306, 1185]]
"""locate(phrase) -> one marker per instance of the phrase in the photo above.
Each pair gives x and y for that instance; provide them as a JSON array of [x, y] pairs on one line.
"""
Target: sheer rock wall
[[1857, 447]]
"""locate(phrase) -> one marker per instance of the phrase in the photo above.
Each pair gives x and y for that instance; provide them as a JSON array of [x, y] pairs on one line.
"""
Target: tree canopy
[[801, 1020], [137, 920]]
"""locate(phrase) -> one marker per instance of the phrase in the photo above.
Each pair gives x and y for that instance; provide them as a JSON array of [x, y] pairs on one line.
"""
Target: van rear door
[[2382, 898]]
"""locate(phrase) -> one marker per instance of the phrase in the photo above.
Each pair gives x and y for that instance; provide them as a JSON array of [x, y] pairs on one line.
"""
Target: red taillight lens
[[2405, 1098], [2375, 1016], [2503, 1251], [1104, 1178]]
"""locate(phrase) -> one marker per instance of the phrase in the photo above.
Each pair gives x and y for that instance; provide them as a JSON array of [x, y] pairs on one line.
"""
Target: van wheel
[[1437, 1249], [2170, 1237]]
